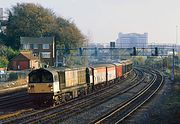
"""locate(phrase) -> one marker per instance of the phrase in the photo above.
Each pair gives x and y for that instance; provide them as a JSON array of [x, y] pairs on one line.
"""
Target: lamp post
[[176, 38], [173, 60], [172, 78], [176, 35]]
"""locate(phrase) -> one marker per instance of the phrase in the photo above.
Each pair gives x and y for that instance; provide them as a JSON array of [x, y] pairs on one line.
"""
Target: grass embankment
[[172, 105], [168, 111]]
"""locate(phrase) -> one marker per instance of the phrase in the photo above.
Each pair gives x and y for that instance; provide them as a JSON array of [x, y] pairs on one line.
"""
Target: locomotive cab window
[[34, 78], [47, 77], [40, 76]]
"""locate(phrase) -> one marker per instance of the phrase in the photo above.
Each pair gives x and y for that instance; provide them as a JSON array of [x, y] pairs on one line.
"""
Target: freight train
[[56, 85]]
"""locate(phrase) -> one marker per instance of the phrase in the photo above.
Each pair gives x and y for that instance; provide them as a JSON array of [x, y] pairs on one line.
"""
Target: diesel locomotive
[[56, 85]]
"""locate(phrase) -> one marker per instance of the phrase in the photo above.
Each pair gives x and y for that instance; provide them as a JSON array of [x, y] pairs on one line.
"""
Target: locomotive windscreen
[[40, 76]]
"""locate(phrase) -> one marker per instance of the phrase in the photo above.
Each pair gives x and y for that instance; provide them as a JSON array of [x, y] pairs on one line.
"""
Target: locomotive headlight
[[30, 87], [51, 86]]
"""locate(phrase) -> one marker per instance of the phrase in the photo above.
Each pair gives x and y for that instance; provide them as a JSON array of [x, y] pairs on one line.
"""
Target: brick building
[[25, 60]]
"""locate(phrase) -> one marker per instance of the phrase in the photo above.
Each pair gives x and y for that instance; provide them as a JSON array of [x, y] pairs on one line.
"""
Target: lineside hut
[[25, 60]]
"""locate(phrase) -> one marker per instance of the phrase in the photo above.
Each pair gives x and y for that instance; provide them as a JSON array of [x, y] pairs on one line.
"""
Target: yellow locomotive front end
[[40, 86]]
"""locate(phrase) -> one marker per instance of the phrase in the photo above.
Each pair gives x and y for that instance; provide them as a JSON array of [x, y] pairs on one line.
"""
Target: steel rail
[[106, 118]]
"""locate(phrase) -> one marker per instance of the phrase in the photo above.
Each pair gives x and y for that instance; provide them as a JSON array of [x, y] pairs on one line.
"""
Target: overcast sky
[[102, 20]]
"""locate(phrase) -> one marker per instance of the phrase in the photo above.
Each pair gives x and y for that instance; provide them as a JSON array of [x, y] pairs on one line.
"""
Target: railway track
[[64, 110], [96, 111], [12, 96], [121, 112], [14, 104], [13, 100]]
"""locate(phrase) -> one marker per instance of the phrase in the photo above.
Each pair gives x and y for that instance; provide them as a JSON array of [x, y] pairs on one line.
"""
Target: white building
[[132, 40]]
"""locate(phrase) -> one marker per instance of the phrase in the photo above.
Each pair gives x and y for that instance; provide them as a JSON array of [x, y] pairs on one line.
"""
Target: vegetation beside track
[[168, 111]]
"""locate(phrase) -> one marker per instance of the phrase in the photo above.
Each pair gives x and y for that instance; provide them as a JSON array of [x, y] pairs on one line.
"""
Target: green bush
[[3, 62], [13, 76], [177, 76]]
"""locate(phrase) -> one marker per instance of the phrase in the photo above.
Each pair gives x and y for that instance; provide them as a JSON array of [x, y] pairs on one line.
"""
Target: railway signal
[[156, 51], [134, 53], [96, 51], [80, 51]]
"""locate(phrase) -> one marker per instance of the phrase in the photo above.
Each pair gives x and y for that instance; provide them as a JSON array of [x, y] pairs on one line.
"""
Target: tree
[[69, 34], [3, 38], [29, 20], [8, 52], [3, 62], [32, 20]]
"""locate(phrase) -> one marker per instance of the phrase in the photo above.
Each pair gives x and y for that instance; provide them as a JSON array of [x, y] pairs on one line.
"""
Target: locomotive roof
[[58, 69], [40, 70], [117, 63], [102, 65]]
